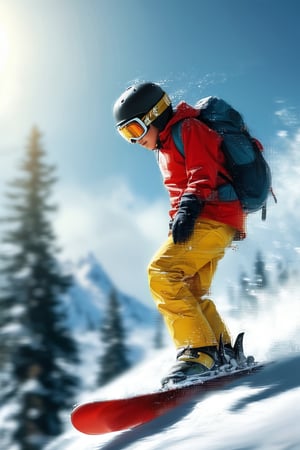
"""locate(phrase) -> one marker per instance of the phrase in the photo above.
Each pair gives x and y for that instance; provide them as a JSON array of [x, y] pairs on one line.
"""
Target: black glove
[[183, 225]]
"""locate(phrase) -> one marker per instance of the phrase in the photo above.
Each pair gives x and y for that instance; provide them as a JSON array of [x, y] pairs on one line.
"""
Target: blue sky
[[64, 62]]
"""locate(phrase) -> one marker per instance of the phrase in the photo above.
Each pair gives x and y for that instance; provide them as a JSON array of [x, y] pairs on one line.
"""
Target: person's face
[[149, 141]]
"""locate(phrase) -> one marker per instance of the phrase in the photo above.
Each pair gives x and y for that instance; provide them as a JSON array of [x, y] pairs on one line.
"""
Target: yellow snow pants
[[180, 275]]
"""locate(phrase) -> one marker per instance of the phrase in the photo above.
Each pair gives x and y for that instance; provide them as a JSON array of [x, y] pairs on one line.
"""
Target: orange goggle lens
[[133, 130]]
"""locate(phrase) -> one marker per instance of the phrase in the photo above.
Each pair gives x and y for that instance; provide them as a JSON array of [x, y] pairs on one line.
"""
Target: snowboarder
[[201, 225]]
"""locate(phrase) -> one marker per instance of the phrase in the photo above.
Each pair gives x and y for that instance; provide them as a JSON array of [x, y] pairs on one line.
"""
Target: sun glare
[[11, 58]]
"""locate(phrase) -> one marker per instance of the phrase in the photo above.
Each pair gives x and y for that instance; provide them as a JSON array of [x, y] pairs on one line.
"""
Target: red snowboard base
[[114, 415]]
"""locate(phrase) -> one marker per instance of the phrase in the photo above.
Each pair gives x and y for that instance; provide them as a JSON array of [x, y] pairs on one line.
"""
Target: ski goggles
[[134, 129]]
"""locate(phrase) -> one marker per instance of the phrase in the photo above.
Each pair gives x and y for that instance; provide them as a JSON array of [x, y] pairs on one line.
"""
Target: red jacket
[[198, 171]]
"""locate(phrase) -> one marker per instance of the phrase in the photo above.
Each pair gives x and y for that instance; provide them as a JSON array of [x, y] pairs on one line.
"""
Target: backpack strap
[[176, 135]]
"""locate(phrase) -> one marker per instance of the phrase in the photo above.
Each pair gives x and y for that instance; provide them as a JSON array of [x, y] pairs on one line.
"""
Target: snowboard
[[107, 416]]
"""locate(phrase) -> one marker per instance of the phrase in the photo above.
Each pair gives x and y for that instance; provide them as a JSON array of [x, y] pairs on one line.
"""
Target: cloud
[[287, 115], [282, 133], [122, 229]]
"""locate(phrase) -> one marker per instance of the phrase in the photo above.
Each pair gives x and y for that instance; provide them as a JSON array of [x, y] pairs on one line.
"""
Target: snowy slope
[[261, 411]]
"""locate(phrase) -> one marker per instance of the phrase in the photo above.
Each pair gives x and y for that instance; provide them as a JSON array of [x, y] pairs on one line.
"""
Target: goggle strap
[[157, 110]]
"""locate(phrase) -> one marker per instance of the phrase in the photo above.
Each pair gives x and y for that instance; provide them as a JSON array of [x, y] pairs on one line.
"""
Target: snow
[[258, 412]]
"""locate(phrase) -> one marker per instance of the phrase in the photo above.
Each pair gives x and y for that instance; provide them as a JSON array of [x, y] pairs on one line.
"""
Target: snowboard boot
[[206, 356], [200, 361]]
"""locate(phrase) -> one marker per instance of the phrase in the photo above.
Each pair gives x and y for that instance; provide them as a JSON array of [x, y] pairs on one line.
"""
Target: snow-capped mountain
[[85, 308], [86, 301]]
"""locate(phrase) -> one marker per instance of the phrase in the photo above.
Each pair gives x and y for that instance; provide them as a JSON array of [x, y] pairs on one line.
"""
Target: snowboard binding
[[228, 359]]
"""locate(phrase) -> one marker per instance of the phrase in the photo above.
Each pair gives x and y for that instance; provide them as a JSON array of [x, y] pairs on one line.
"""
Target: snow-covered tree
[[36, 349]]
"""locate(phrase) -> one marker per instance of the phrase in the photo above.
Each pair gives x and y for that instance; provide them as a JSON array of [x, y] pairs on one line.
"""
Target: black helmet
[[138, 100]]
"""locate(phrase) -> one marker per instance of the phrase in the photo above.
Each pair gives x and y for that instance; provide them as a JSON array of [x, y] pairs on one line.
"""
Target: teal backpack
[[249, 174]]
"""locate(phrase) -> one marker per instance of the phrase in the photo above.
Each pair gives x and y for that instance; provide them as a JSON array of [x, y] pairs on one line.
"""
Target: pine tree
[[283, 274], [38, 348], [113, 360], [260, 274]]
